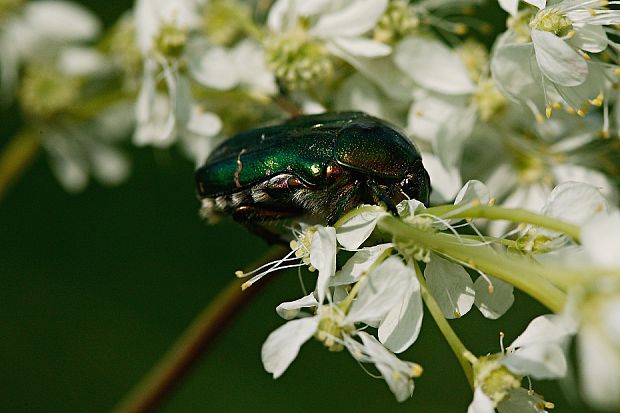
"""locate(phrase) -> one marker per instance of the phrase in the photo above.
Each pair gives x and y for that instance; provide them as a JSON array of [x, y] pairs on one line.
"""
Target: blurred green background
[[95, 287]]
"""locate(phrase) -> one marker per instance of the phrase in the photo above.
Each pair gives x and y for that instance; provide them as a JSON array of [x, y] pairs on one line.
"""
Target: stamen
[[257, 277], [501, 342]]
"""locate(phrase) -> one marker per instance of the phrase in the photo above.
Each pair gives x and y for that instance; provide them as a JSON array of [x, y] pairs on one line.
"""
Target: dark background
[[95, 287]]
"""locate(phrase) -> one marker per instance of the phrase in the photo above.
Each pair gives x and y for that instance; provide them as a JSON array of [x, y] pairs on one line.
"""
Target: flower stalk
[[15, 158], [524, 274], [151, 391]]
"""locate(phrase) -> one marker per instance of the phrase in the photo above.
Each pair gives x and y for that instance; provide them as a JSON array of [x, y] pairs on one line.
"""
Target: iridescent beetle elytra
[[314, 167]]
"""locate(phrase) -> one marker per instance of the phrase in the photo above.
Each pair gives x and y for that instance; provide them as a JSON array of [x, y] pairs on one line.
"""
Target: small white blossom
[[538, 352], [389, 299], [163, 30], [559, 72], [37, 32], [306, 33]]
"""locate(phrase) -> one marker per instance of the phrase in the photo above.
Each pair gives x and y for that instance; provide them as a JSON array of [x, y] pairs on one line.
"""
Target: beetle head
[[417, 184]]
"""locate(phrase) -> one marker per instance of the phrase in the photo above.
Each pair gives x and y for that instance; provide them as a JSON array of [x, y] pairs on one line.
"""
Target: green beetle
[[314, 167]]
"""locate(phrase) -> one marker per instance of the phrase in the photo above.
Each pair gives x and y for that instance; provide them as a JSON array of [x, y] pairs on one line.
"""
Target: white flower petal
[[249, 61], [510, 6], [203, 123], [610, 320], [446, 182], [71, 173], [392, 369], [428, 113], [538, 3], [493, 304], [359, 46], [401, 327], [283, 344], [513, 67], [358, 93], [382, 71], [578, 173], [216, 69], [481, 403], [61, 20], [433, 65], [545, 329], [590, 38], [150, 15], [409, 207], [359, 264], [290, 309], [540, 362], [575, 202], [452, 136], [383, 289], [355, 231], [473, 192], [557, 60], [109, 164], [323, 258], [357, 18], [600, 237], [522, 401], [450, 285], [80, 61], [600, 369]]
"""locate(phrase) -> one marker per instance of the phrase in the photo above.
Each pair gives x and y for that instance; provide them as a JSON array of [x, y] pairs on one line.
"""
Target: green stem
[[17, 155], [147, 395], [508, 214], [528, 276], [457, 346]]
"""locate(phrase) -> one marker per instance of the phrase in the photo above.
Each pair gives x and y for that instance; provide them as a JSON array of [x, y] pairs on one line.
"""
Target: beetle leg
[[251, 216], [379, 195]]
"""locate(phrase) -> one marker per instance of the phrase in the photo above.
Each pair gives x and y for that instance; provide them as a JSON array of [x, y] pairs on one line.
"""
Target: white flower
[[37, 32], [457, 97], [538, 352], [341, 25], [419, 56], [398, 374], [163, 29], [80, 149], [559, 72], [305, 34], [160, 22], [531, 170], [389, 299]]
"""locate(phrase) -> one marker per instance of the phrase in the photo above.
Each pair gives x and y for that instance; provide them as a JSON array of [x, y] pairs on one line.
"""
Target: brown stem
[[170, 370], [288, 106], [15, 158]]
